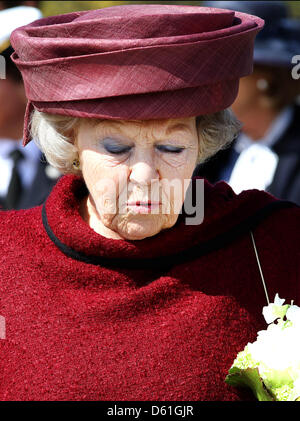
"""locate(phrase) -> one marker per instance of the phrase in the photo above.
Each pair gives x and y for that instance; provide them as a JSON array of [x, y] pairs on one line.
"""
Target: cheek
[[178, 166], [104, 179], [172, 161], [176, 176]]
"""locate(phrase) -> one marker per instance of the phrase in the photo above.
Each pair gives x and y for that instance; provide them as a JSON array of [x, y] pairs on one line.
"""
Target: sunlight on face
[[137, 173]]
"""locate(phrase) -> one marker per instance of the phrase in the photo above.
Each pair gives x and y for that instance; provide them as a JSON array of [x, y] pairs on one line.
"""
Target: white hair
[[55, 135]]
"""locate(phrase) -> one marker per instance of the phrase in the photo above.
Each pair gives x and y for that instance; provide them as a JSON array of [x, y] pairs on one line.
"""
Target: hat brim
[[181, 103]]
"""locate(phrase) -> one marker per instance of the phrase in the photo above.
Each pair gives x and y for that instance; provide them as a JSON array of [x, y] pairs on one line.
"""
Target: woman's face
[[137, 173]]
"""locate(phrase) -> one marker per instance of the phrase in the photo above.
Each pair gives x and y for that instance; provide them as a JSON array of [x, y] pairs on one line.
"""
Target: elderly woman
[[112, 290]]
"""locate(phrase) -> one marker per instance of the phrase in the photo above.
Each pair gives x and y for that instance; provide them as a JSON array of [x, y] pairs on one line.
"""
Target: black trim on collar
[[165, 262]]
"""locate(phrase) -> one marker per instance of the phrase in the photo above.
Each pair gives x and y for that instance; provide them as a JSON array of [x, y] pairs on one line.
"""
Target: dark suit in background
[[286, 180], [35, 180], [272, 84], [42, 184]]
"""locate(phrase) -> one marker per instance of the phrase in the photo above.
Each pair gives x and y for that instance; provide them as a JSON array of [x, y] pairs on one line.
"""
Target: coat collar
[[226, 216]]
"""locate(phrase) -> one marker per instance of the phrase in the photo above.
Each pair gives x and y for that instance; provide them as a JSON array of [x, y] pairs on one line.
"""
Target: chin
[[139, 230], [138, 234]]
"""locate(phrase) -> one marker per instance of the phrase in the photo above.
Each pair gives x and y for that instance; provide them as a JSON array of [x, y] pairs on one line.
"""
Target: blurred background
[[265, 155], [55, 7]]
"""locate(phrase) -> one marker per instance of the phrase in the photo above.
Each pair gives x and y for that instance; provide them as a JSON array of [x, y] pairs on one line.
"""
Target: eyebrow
[[115, 124], [177, 126]]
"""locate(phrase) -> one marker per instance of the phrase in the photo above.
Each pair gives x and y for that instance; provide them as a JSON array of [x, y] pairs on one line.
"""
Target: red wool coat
[[90, 318]]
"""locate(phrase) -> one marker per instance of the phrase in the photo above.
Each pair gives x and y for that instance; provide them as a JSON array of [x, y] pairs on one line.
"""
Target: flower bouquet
[[270, 366]]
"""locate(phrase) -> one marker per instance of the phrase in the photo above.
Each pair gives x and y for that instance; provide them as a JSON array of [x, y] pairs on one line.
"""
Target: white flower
[[278, 301], [271, 364], [297, 388], [293, 314], [275, 310]]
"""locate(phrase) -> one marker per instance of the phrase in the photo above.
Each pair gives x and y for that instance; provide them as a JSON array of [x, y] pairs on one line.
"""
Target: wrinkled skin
[[124, 162]]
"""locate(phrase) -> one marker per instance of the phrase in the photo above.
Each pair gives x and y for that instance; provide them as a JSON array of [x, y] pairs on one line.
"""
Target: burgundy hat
[[135, 62]]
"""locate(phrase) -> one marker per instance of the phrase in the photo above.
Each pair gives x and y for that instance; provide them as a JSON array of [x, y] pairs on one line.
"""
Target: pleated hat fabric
[[135, 62]]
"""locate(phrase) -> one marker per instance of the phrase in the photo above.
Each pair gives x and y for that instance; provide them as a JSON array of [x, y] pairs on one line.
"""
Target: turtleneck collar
[[226, 215]]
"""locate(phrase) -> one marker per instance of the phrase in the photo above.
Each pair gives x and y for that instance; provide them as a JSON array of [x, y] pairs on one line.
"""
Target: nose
[[143, 169]]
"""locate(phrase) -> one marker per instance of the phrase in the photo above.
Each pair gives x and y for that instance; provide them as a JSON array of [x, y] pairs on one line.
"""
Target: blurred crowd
[[265, 155], [26, 178]]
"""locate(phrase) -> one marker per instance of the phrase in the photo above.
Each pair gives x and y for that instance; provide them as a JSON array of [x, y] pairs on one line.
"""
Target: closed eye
[[169, 148], [115, 148]]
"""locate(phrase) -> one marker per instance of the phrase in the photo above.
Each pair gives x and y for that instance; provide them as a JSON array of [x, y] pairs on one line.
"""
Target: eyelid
[[117, 149], [115, 145], [113, 140], [172, 148]]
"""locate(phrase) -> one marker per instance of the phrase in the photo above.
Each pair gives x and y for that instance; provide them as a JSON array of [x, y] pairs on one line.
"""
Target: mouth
[[143, 207]]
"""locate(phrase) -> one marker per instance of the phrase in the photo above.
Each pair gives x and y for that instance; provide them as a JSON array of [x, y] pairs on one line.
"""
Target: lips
[[146, 203], [143, 206]]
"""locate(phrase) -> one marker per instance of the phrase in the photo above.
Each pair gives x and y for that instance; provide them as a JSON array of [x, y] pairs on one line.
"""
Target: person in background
[[266, 155], [25, 177], [10, 3]]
